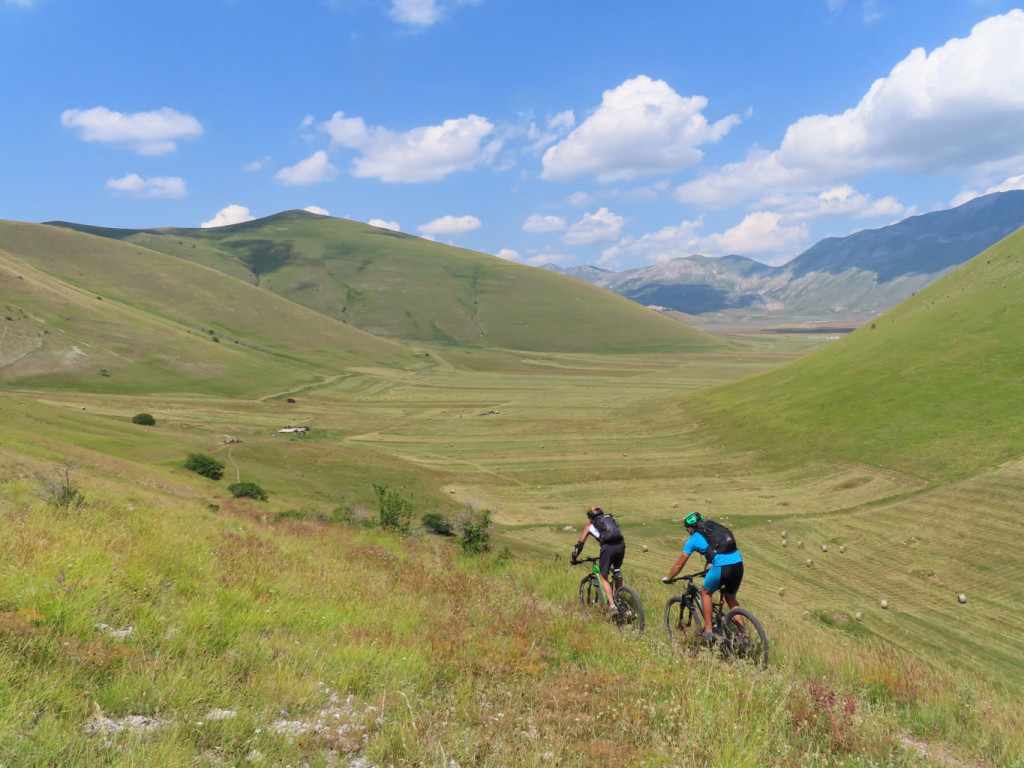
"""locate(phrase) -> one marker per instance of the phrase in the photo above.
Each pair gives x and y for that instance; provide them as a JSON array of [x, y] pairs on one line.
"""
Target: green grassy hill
[[400, 286], [930, 388], [89, 312]]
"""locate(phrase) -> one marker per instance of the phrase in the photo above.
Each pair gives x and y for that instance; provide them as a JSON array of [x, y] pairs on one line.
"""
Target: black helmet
[[692, 519], [594, 512]]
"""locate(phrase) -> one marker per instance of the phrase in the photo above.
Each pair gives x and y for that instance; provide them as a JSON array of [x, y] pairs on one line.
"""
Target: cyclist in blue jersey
[[726, 568]]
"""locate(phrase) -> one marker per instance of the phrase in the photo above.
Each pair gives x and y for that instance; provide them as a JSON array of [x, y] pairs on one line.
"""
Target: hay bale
[[785, 543], [644, 547], [800, 544], [785, 535], [884, 604], [859, 616], [824, 547], [807, 615], [782, 591], [810, 563], [842, 549], [961, 598]]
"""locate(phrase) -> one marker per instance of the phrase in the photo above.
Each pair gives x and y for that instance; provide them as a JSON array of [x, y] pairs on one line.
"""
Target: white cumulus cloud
[[538, 223], [957, 109], [642, 127], [232, 214], [1012, 183], [762, 235], [599, 227], [147, 133], [426, 153], [392, 225], [317, 210], [315, 168], [134, 185], [450, 225]]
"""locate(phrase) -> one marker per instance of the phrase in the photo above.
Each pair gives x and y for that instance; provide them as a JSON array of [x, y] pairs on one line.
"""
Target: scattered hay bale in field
[[810, 563], [570, 528], [800, 544], [644, 547], [785, 535], [675, 505], [782, 591], [859, 616], [884, 604], [824, 547], [961, 598], [842, 549], [785, 543], [807, 615]]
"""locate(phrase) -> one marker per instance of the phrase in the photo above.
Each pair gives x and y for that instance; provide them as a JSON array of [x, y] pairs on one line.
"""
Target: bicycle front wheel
[[590, 591], [631, 610], [745, 638], [682, 620]]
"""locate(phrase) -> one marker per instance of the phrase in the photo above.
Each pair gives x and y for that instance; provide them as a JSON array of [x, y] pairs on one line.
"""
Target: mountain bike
[[737, 632], [631, 610]]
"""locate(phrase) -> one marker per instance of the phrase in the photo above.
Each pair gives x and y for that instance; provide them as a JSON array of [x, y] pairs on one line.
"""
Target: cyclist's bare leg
[[607, 589], [732, 602], [705, 604]]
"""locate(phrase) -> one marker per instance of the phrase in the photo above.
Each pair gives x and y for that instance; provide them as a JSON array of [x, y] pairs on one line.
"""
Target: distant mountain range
[[840, 279]]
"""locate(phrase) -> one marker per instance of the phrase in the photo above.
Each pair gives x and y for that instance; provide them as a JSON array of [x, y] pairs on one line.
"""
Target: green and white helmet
[[693, 519]]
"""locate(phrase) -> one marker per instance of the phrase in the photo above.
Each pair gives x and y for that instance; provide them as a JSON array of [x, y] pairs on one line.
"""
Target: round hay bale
[[785, 543], [961, 598], [785, 535], [644, 547], [842, 549], [807, 615], [859, 616], [824, 547], [800, 544], [782, 591], [884, 604], [810, 563]]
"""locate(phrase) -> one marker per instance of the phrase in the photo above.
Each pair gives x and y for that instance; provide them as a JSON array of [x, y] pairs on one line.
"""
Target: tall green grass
[[213, 639]]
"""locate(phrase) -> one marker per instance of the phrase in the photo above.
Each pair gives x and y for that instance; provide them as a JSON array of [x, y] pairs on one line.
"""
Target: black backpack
[[608, 528], [720, 539]]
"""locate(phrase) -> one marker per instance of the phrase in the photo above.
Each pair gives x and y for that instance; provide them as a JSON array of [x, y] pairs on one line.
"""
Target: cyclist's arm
[[583, 540], [679, 565]]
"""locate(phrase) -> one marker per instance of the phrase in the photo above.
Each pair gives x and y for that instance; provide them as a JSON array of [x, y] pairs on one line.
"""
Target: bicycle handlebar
[[584, 560], [687, 577]]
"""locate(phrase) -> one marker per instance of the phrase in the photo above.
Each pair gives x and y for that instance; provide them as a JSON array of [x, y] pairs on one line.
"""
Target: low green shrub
[[475, 531], [204, 465], [146, 419], [251, 490], [437, 523], [395, 510]]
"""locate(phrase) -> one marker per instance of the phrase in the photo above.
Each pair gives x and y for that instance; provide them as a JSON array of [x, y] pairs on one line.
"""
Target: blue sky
[[616, 133]]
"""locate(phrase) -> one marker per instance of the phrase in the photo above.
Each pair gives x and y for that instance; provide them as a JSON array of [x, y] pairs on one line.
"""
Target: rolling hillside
[[931, 388], [93, 313], [398, 286]]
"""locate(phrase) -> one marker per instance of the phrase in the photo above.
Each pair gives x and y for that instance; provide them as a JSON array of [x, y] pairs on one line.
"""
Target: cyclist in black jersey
[[603, 527]]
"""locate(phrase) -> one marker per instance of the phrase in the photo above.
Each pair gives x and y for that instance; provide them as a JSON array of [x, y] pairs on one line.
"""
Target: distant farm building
[[293, 431]]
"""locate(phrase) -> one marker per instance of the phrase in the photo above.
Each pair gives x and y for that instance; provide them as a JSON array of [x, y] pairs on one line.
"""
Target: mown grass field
[[260, 635]]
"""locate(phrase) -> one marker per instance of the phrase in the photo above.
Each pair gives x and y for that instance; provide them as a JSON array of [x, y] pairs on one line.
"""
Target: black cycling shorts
[[732, 577], [611, 557]]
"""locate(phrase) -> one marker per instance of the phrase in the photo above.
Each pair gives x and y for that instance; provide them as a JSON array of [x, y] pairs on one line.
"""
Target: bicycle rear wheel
[[681, 620], [590, 591], [631, 610], [745, 638]]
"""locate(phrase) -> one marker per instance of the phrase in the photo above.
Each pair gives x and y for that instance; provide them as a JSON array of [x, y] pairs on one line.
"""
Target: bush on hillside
[[60, 491], [475, 531], [145, 419], [395, 510], [437, 523], [251, 490], [204, 465]]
